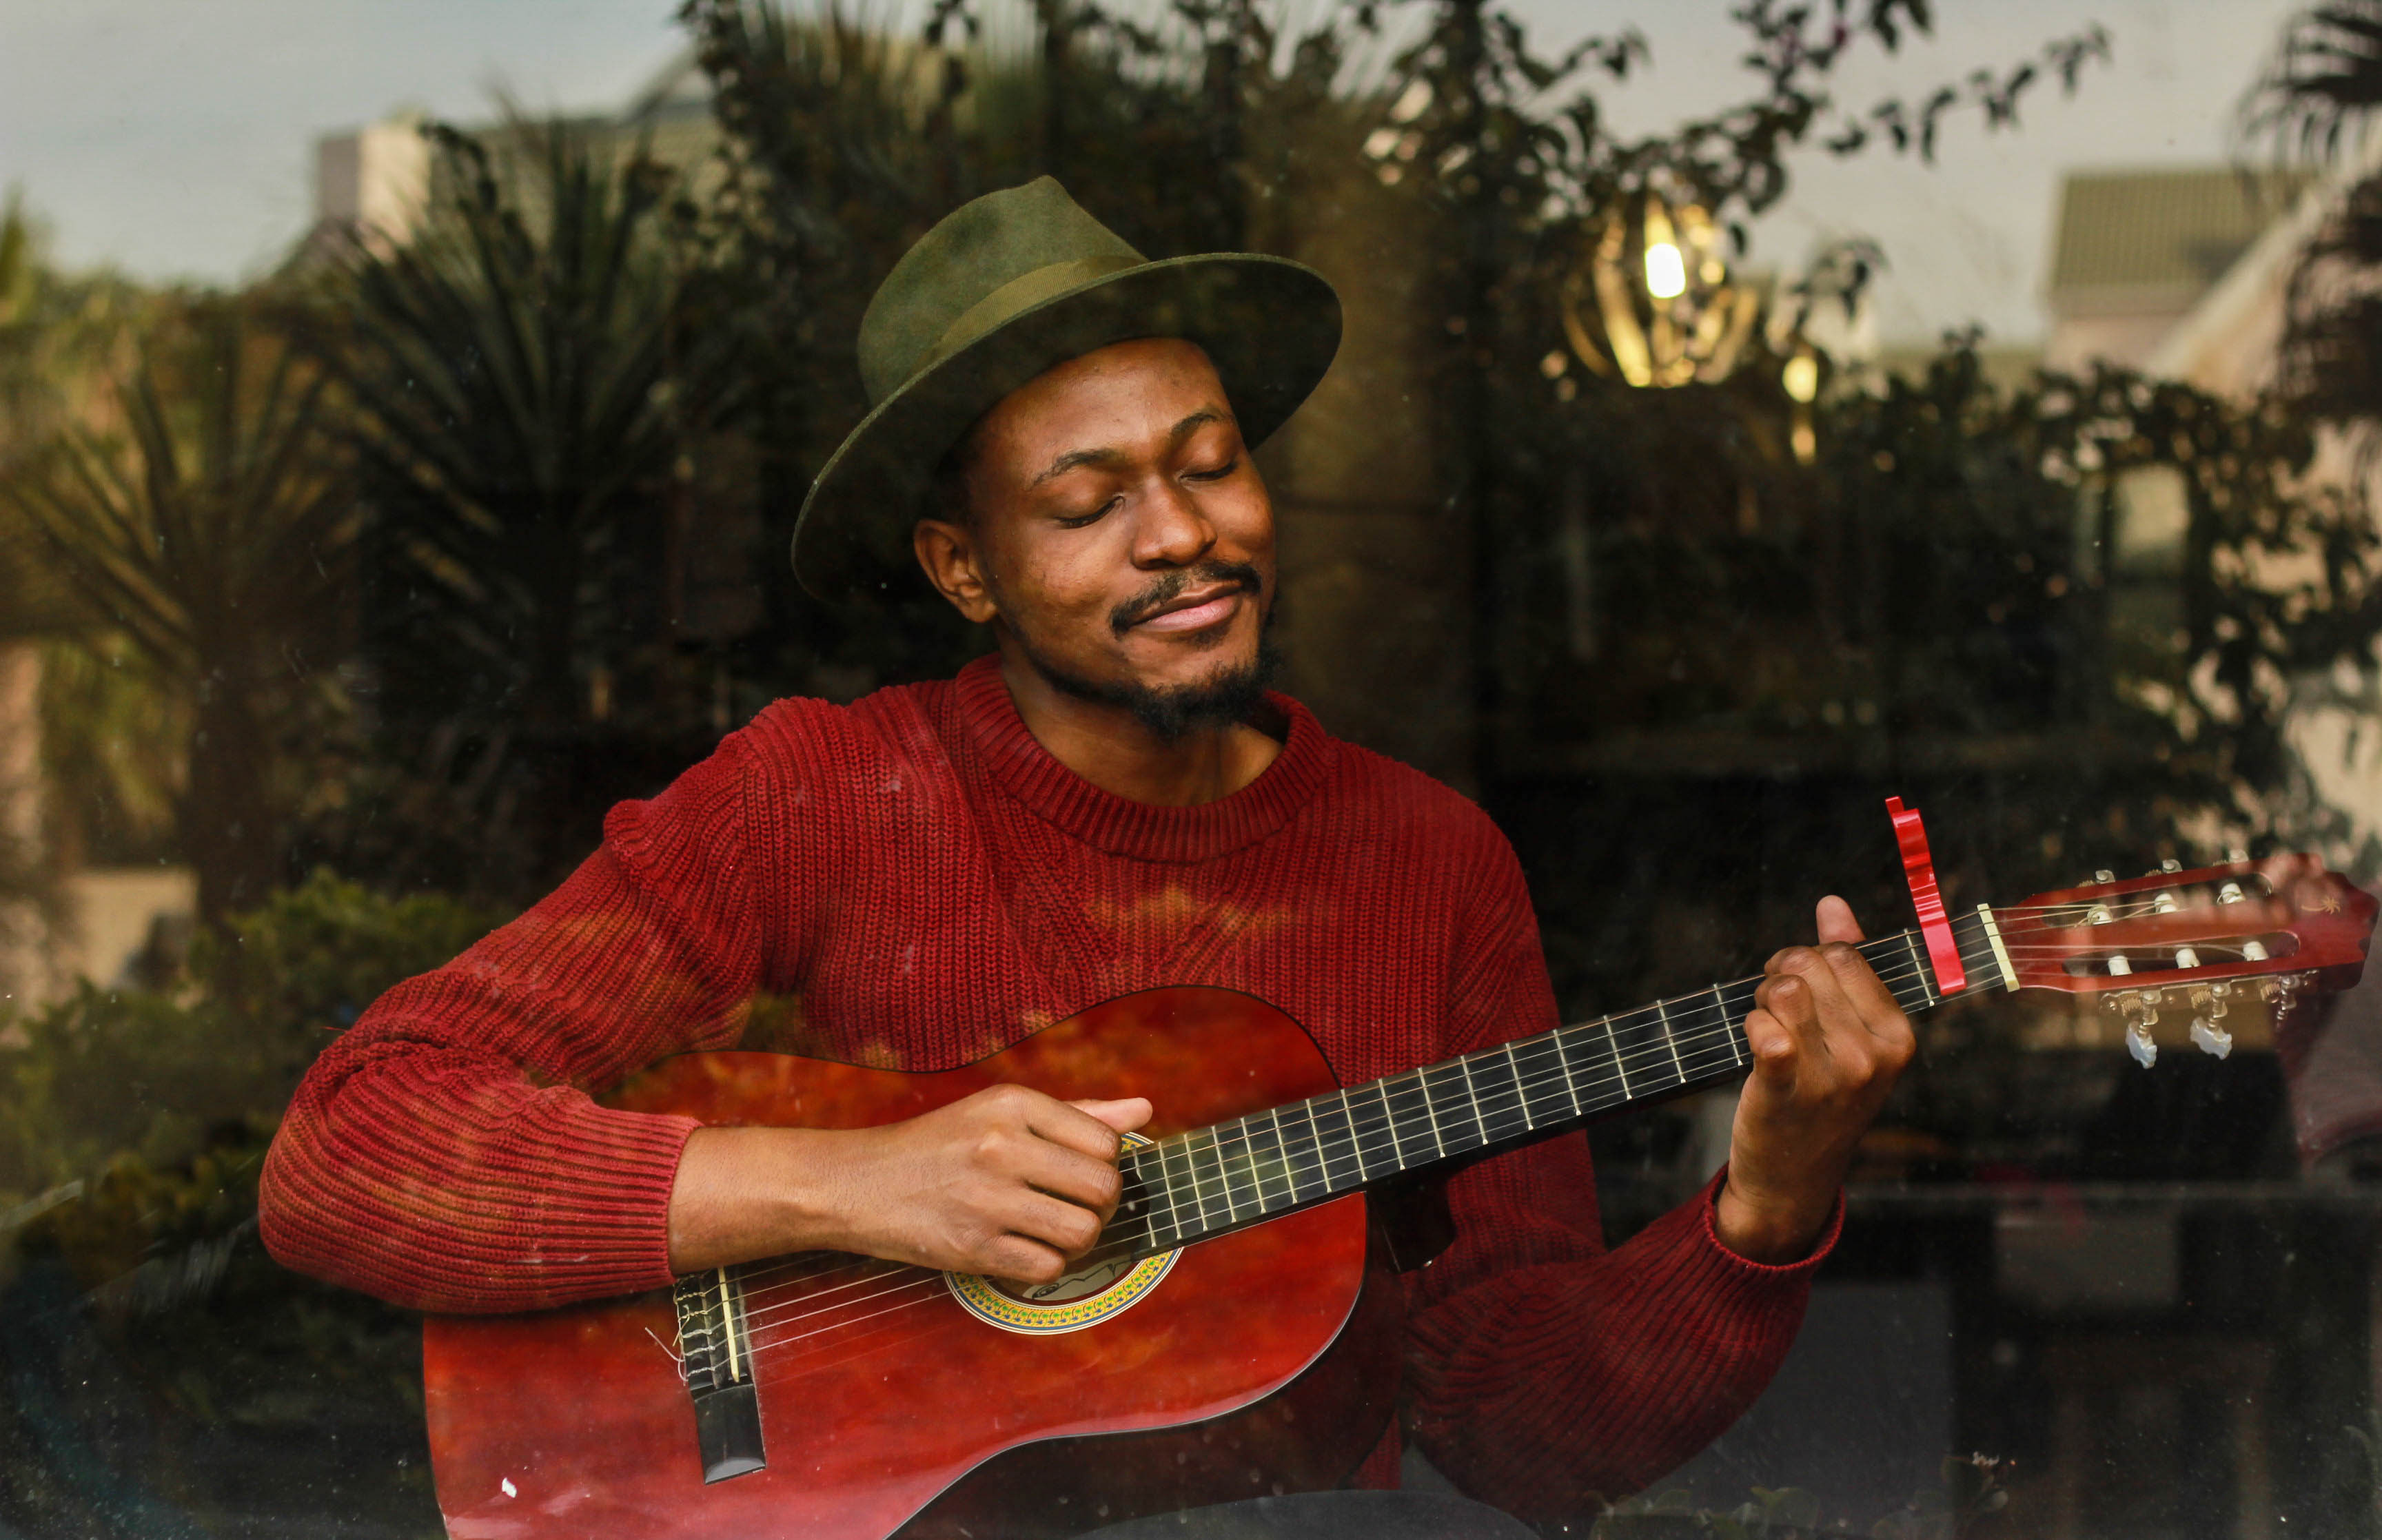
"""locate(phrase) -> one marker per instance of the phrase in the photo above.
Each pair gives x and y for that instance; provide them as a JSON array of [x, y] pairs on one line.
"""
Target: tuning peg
[[2210, 1038], [2105, 875], [2170, 867], [2139, 1044], [2238, 856]]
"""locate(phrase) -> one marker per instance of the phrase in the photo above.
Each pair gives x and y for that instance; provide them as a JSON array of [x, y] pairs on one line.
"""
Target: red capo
[[1950, 977]]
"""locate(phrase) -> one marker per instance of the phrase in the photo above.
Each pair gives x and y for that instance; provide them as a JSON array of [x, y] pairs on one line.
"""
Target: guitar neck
[[1221, 1178]]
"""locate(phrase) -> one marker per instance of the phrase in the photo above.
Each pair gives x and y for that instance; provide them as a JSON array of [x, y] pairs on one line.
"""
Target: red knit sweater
[[913, 881]]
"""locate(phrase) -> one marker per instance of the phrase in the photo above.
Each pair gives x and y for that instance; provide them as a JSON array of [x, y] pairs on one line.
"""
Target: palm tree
[[211, 532], [525, 389]]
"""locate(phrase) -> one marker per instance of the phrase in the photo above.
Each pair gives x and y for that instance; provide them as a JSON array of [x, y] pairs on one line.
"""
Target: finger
[[1795, 989], [1867, 993], [1124, 1114], [1774, 1047], [1020, 1260], [1068, 1229], [1071, 1175], [1837, 922], [1072, 1128]]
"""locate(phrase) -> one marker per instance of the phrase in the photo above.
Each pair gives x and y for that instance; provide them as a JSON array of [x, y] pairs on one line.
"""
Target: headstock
[[2198, 941]]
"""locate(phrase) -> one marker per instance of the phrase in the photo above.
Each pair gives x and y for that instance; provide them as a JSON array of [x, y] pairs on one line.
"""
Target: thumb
[[1124, 1115]]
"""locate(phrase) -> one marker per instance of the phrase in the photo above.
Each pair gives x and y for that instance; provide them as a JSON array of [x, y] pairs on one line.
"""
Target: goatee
[[1172, 713]]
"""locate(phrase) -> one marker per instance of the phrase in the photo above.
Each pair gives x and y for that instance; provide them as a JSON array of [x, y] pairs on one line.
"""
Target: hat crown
[[978, 249]]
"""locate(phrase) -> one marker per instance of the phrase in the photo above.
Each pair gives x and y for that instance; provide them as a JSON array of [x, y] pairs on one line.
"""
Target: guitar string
[[1362, 1126], [920, 1290], [925, 1284], [1287, 1148], [1347, 1149]]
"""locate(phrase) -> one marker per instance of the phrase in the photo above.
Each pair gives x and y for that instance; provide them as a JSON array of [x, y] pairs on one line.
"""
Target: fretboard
[[1217, 1178]]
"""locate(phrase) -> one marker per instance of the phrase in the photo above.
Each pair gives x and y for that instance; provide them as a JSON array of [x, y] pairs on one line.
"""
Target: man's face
[[1118, 531]]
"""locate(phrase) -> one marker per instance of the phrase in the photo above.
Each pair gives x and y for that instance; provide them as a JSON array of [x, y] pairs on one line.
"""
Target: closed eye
[[1218, 474]]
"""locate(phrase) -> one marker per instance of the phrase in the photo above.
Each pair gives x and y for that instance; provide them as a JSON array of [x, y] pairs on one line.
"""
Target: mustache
[[1172, 585]]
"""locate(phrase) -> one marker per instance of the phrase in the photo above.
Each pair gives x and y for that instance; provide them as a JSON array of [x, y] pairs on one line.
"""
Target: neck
[[1107, 746]]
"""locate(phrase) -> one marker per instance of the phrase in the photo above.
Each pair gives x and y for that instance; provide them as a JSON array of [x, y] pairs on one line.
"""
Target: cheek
[[1052, 588]]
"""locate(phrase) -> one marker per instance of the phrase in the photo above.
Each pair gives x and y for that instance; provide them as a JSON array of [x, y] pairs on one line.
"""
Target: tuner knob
[[2230, 894], [2239, 856], [2254, 950], [2210, 1038], [2105, 875], [2170, 867], [2139, 1044]]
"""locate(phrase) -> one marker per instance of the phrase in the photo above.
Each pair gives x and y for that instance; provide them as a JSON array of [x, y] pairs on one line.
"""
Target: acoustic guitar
[[1232, 1333]]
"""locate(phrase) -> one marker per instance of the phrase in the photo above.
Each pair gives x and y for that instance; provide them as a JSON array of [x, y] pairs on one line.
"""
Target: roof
[[2158, 237]]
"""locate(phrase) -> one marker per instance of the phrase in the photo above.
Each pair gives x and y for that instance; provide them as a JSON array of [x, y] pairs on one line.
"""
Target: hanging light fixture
[[1654, 304]]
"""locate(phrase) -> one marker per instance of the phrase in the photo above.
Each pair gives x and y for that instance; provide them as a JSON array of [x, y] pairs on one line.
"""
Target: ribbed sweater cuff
[[604, 1222], [1802, 1269]]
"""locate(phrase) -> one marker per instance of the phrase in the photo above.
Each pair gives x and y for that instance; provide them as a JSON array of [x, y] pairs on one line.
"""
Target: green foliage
[[523, 391], [140, 1289], [212, 535], [153, 1077]]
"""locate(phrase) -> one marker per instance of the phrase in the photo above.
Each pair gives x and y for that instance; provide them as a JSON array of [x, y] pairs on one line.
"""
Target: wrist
[[747, 1193], [1776, 1229]]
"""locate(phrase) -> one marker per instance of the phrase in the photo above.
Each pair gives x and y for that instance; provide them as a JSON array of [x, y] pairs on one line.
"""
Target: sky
[[175, 138]]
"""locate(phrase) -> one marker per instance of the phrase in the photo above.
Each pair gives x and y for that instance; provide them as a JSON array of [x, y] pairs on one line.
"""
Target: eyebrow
[[1175, 437]]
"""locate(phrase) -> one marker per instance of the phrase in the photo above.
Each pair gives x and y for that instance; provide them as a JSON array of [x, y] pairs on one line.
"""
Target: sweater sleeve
[[445, 1153], [1545, 1371]]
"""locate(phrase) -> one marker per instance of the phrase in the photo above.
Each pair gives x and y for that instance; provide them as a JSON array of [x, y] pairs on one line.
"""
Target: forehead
[[1119, 397]]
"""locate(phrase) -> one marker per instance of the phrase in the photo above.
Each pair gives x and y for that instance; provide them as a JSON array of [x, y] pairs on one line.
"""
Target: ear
[[947, 552]]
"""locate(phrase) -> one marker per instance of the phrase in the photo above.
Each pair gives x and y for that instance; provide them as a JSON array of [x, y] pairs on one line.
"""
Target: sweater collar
[[1143, 831]]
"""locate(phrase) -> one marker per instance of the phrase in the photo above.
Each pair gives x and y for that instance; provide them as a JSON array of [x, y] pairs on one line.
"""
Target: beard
[[1227, 695]]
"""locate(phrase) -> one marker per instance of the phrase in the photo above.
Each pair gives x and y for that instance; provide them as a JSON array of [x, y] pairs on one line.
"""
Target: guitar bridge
[[716, 1354]]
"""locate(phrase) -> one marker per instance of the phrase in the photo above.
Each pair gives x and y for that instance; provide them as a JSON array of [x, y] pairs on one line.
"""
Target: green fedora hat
[[1004, 288]]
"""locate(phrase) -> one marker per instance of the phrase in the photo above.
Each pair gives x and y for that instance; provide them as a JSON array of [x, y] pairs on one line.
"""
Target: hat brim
[[1269, 326]]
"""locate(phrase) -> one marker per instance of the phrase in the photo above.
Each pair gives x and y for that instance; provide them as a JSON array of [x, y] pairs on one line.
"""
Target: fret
[[1489, 1092], [1571, 1085], [1431, 1111], [1672, 1038], [1136, 1193], [1614, 1039], [1521, 1087], [1918, 963], [1265, 1155], [1398, 1140], [1472, 1095], [1168, 1152], [1389, 1125], [1231, 1163], [1223, 1186], [1299, 1190], [1356, 1148]]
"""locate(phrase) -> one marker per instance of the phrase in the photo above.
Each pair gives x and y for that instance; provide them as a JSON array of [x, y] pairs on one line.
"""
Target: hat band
[[1021, 293]]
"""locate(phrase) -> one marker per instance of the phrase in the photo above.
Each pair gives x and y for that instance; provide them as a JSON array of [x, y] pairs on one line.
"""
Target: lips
[[1195, 610]]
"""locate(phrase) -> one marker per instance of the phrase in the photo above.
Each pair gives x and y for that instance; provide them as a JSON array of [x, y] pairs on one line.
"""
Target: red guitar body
[[1264, 1360]]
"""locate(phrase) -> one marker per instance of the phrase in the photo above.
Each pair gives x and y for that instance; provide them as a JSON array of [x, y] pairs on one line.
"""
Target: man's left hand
[[1828, 1041]]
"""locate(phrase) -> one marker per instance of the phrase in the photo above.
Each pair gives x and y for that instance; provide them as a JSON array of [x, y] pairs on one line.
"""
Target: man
[[1110, 802]]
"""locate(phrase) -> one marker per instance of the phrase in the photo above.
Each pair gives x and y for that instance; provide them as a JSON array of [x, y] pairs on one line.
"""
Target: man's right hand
[[1008, 1182]]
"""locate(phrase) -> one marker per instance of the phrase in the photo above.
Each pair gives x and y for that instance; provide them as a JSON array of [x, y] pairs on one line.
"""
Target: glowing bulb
[[1666, 276], [1801, 377]]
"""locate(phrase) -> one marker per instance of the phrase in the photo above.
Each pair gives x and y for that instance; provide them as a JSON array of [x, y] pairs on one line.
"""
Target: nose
[[1171, 530]]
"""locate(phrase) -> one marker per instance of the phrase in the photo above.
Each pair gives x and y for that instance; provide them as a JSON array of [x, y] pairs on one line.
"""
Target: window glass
[[1358, 572]]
